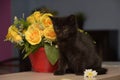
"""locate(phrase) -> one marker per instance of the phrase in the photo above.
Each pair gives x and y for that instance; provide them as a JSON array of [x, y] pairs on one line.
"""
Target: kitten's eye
[[57, 30], [65, 30]]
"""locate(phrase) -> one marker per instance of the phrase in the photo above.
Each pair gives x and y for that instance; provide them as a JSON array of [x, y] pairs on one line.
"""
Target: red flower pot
[[40, 62]]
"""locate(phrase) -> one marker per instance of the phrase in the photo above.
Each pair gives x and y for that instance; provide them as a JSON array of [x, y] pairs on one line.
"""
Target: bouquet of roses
[[33, 32]]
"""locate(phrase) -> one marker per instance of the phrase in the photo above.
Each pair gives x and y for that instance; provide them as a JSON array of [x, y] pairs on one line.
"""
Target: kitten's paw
[[59, 73]]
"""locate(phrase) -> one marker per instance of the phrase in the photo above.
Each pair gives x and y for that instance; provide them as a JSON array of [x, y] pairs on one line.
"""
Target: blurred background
[[100, 18]]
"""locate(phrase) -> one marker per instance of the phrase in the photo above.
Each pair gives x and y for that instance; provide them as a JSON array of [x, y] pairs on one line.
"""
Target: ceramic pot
[[40, 62]]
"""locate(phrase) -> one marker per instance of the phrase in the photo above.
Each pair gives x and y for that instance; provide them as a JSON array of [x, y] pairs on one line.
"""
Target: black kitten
[[77, 51]]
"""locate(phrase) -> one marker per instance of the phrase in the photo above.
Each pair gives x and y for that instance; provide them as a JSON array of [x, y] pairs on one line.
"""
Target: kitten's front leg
[[79, 69], [61, 67]]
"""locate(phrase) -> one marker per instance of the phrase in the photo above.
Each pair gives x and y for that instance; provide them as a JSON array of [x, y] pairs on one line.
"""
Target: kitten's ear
[[72, 18]]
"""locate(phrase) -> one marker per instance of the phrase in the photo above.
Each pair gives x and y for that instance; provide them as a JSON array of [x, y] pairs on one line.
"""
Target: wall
[[5, 20], [101, 14]]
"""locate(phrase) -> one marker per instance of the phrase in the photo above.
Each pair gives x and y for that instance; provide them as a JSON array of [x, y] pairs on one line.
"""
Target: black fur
[[77, 50]]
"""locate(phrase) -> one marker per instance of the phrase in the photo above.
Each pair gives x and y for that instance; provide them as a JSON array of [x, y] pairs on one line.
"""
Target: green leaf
[[27, 54], [30, 49], [52, 53]]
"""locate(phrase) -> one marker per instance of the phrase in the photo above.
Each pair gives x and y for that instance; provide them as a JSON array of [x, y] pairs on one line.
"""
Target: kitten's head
[[64, 27]]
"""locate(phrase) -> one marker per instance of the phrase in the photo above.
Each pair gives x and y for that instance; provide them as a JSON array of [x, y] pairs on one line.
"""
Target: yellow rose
[[49, 33], [13, 35], [37, 16], [13, 28], [30, 19], [45, 20], [33, 34], [17, 39]]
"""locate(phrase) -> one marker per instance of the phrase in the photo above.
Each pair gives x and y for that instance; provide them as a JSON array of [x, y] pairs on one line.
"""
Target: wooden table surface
[[113, 74]]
